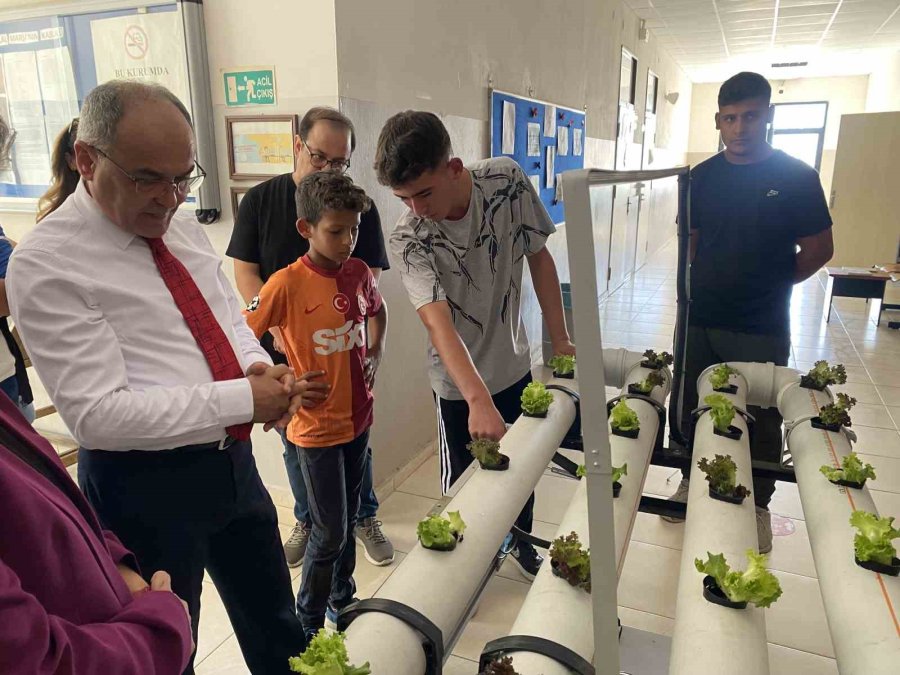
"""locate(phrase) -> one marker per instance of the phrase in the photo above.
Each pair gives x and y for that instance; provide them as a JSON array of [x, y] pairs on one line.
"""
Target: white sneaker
[[681, 495], [764, 529]]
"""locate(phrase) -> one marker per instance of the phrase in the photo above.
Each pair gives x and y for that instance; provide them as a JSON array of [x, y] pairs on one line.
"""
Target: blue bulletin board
[[533, 111]]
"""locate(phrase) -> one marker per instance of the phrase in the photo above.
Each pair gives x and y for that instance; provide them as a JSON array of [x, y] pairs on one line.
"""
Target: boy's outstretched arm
[[485, 420], [377, 335], [546, 285]]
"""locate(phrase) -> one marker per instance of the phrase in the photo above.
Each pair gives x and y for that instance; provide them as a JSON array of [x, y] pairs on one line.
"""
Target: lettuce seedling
[[657, 361], [326, 655], [721, 474], [486, 451], [536, 399], [653, 379], [440, 533], [617, 472], [502, 666], [571, 562], [873, 541], [756, 584], [852, 470], [837, 413], [821, 375], [722, 411], [624, 418], [718, 378], [562, 364]]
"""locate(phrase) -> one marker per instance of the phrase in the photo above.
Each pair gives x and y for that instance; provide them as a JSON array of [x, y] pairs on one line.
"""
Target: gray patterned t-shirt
[[475, 264]]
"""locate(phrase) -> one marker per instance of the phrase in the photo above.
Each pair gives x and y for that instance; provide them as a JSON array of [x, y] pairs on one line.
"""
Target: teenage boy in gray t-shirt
[[460, 246]]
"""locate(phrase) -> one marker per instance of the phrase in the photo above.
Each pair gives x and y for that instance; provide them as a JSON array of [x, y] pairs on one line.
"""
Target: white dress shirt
[[109, 342]]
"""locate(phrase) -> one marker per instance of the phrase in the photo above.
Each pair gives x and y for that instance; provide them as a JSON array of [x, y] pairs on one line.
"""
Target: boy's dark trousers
[[333, 478], [453, 437]]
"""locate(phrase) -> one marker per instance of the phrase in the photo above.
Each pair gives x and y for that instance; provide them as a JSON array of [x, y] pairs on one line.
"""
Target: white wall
[[884, 84], [845, 95]]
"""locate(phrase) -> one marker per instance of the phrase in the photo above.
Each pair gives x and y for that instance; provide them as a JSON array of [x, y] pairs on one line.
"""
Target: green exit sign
[[250, 87]]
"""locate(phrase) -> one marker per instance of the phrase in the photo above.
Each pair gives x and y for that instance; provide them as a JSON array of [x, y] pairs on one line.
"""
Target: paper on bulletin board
[[57, 89], [562, 141], [146, 47], [536, 183], [577, 142], [509, 128], [31, 154], [559, 192], [534, 139], [551, 167], [550, 121]]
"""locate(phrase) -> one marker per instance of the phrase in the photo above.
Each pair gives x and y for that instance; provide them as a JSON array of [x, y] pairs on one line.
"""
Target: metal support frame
[[592, 384]]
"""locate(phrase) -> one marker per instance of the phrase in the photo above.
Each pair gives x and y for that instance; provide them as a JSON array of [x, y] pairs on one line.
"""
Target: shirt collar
[[88, 207]]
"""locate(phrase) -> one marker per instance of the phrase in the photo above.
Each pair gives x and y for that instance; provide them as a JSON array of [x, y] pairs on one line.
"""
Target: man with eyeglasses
[[265, 240], [137, 335]]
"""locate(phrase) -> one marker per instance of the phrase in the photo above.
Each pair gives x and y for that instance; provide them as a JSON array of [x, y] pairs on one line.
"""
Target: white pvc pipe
[[710, 639], [553, 609], [861, 606], [440, 585], [618, 363]]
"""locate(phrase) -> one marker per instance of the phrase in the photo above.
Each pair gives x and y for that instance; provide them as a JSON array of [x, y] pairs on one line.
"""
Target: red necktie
[[200, 320]]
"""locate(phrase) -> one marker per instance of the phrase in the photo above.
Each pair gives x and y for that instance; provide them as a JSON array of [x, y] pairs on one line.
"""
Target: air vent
[[792, 64]]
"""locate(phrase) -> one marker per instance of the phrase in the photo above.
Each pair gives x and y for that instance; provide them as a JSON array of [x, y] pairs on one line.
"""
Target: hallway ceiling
[[713, 39]]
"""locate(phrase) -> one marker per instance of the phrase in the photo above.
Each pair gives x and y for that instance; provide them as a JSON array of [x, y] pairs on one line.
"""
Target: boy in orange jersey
[[322, 303]]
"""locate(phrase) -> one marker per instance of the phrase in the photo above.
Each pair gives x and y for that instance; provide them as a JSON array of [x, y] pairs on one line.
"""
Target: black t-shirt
[[265, 233], [749, 218]]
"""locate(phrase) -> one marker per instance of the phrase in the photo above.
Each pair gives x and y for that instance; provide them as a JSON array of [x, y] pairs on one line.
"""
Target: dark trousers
[[333, 477], [185, 510], [712, 346], [368, 502], [453, 437]]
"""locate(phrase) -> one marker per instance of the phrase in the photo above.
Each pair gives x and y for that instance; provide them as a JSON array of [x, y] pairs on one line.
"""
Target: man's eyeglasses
[[320, 161], [181, 184]]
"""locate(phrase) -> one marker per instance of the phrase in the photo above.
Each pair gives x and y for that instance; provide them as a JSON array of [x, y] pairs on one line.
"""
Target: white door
[[645, 203], [864, 190]]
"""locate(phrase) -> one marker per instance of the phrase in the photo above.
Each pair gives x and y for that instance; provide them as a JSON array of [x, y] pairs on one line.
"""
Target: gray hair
[[107, 103]]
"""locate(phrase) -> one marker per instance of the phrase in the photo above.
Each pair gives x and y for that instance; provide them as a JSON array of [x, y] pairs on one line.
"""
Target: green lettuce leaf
[[536, 399], [755, 585], [326, 655], [873, 539], [434, 531], [624, 418], [456, 523], [562, 364], [720, 375], [619, 471], [722, 411], [852, 470]]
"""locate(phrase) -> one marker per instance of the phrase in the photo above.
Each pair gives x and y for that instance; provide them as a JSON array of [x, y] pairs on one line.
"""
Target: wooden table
[[853, 282]]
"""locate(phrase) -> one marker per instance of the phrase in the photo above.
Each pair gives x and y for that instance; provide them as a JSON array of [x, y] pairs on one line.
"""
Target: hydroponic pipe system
[[441, 586], [861, 606], [555, 610], [710, 639]]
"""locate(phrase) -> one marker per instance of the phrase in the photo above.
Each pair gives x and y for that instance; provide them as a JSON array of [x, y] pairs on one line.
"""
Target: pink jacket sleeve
[[119, 553], [151, 635]]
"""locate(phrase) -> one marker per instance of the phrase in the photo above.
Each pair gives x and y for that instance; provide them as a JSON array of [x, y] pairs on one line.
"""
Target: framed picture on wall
[[237, 194], [260, 146]]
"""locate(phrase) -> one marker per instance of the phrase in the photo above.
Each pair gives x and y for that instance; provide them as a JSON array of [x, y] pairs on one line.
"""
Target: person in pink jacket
[[71, 596]]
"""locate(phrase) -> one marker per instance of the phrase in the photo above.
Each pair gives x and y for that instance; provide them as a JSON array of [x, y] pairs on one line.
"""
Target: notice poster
[[31, 155], [147, 47], [57, 89]]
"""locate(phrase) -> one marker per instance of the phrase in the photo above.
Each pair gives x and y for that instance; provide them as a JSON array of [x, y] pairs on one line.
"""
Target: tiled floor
[[640, 315]]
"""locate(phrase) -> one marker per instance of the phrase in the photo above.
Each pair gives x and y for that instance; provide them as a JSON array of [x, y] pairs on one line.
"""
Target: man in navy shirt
[[759, 225]]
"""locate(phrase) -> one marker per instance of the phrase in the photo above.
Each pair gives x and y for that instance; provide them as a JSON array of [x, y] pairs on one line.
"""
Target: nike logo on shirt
[[310, 311]]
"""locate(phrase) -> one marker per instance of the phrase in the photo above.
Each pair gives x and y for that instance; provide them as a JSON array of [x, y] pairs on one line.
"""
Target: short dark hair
[[411, 143], [320, 113], [7, 136], [324, 190], [744, 86]]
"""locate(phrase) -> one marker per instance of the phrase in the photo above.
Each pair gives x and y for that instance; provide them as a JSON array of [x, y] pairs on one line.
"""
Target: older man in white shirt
[[139, 338]]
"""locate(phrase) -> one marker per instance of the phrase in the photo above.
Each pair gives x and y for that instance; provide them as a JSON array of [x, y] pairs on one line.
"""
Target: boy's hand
[[485, 421], [373, 361], [303, 393], [564, 347], [277, 341]]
